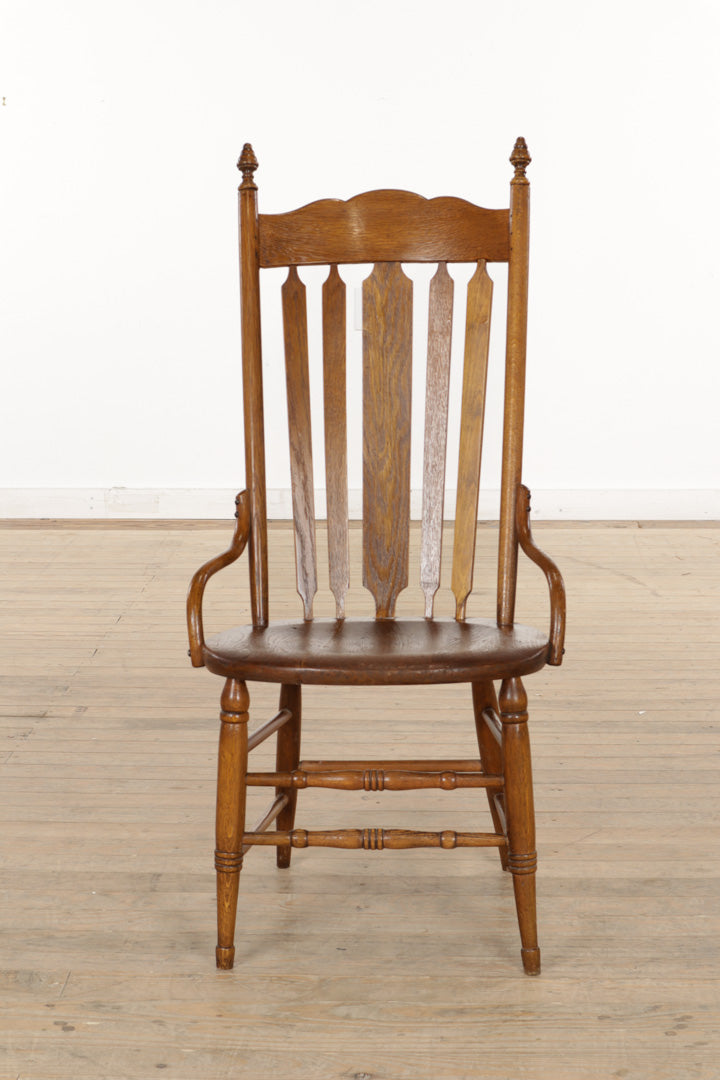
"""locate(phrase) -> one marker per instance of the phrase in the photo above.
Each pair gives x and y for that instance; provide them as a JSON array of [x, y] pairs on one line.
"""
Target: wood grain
[[294, 308], [384, 226], [477, 339], [437, 390], [387, 380], [384, 651], [335, 401]]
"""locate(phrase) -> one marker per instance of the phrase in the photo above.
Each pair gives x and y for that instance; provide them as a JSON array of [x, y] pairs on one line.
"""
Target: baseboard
[[169, 503]]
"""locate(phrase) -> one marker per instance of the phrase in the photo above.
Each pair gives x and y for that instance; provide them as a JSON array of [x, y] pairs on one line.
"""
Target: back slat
[[379, 226], [298, 404], [436, 421], [387, 375], [335, 395], [477, 337]]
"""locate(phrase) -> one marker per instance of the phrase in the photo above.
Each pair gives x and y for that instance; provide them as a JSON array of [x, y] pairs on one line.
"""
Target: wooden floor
[[390, 966]]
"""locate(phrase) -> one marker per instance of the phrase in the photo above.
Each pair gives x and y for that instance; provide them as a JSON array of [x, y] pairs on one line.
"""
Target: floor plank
[[355, 966]]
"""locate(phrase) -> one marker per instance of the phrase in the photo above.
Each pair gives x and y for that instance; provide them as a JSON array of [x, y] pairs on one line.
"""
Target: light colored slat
[[436, 421], [387, 375], [477, 337], [298, 404], [335, 393]]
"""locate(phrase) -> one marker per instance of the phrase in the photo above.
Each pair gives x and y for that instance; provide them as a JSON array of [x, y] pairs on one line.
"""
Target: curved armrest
[[203, 575], [548, 567]]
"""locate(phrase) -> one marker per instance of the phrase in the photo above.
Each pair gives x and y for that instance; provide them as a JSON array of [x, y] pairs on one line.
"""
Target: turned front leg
[[520, 813], [230, 813]]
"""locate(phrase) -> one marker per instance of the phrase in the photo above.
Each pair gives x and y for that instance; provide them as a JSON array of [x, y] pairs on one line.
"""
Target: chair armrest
[[203, 575], [548, 567]]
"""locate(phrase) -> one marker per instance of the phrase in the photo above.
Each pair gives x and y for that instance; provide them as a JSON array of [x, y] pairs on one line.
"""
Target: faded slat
[[378, 226], [298, 403], [477, 336], [387, 375], [436, 420], [336, 483]]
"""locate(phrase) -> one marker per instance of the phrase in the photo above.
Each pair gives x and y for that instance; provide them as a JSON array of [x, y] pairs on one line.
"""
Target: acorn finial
[[520, 158], [247, 164]]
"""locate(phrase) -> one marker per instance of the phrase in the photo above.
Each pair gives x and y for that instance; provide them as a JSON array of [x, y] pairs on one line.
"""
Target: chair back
[[386, 229]]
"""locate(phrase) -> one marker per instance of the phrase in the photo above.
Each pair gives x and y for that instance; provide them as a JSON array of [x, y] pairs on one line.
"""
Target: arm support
[[203, 575], [548, 567]]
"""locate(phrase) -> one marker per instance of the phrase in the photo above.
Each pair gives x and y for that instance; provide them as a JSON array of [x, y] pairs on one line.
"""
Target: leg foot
[[531, 961], [225, 958]]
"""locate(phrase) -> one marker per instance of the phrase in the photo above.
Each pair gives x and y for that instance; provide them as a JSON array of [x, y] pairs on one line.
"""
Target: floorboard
[[355, 965]]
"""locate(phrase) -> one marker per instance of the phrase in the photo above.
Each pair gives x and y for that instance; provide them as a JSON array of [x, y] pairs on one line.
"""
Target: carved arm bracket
[[203, 575], [552, 574]]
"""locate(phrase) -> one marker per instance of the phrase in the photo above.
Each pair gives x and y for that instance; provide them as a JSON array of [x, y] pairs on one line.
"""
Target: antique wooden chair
[[384, 228]]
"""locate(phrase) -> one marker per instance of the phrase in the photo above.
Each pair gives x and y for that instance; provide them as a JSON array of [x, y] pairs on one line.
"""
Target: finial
[[247, 164], [520, 158]]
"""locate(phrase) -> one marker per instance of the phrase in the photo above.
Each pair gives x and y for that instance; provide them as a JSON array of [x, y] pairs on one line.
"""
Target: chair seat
[[376, 651]]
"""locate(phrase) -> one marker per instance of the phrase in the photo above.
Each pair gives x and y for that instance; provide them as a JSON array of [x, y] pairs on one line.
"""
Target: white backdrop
[[121, 124]]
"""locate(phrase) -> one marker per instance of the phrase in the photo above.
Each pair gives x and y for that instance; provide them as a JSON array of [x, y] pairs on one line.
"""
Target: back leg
[[484, 697], [287, 759]]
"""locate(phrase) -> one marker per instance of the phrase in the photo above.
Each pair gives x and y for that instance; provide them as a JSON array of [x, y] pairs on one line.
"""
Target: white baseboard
[[169, 503]]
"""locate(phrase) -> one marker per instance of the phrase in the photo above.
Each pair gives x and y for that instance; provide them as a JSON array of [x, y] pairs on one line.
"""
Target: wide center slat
[[387, 376]]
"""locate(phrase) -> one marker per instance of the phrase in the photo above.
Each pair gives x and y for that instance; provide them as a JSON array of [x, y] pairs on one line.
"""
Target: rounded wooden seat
[[376, 651]]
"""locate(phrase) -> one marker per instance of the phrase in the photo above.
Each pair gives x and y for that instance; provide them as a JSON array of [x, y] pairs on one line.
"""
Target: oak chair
[[384, 228]]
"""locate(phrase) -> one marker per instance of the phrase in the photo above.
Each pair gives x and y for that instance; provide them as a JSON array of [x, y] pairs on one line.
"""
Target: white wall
[[121, 124]]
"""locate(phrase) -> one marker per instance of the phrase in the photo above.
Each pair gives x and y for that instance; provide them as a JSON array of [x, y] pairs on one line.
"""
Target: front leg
[[230, 813], [520, 812]]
